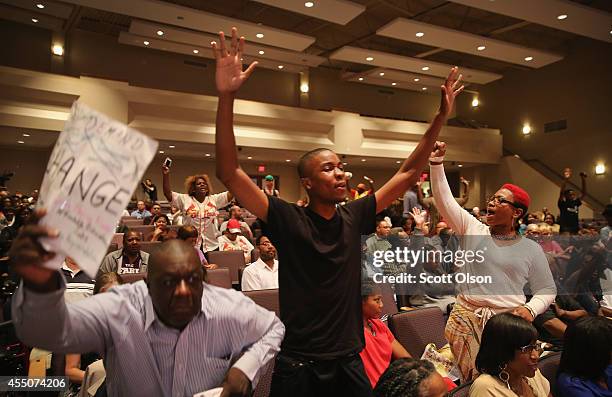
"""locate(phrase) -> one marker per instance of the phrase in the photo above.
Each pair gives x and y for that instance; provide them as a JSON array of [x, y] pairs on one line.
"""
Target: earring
[[504, 376]]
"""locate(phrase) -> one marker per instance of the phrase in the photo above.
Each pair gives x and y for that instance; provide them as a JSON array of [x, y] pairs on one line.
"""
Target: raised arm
[[462, 201], [567, 173], [229, 77], [166, 183], [410, 170]]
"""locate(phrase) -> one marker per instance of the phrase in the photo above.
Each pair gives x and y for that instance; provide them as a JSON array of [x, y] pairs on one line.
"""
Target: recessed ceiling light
[[196, 51], [420, 34], [459, 165], [161, 152], [250, 157], [261, 52], [57, 49], [398, 162], [381, 73], [171, 146], [394, 83], [26, 135], [160, 33], [280, 66], [529, 59], [561, 17], [288, 160], [41, 6], [417, 79], [146, 42], [207, 155], [424, 88], [20, 142], [344, 163], [481, 48], [34, 20], [363, 160], [425, 68], [309, 4], [259, 35], [369, 59], [360, 79]]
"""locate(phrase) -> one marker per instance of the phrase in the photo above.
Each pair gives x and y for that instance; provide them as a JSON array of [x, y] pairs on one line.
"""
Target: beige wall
[[576, 89], [28, 165]]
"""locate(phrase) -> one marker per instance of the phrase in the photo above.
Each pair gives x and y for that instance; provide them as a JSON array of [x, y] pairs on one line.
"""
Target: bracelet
[[434, 163], [531, 311]]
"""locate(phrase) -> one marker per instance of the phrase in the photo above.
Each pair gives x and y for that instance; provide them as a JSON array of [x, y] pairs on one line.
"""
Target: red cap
[[520, 196], [233, 226]]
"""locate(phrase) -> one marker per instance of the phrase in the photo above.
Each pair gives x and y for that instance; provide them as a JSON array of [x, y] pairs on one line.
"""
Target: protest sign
[[94, 168]]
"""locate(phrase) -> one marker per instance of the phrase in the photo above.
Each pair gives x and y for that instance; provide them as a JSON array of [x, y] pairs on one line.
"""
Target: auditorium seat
[[219, 277], [128, 218], [142, 229], [266, 298], [254, 255], [461, 391], [130, 223], [265, 380], [389, 305], [112, 247], [149, 246], [129, 278], [416, 328], [229, 259], [548, 366]]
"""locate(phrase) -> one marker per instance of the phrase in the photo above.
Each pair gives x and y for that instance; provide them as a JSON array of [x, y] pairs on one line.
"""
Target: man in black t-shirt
[[569, 204], [319, 246]]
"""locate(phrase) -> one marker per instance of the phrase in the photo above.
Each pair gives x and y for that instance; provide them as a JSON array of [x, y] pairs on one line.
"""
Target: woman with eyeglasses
[[508, 360], [511, 261]]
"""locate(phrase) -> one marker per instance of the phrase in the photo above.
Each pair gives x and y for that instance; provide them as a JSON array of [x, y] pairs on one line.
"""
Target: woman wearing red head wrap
[[499, 252]]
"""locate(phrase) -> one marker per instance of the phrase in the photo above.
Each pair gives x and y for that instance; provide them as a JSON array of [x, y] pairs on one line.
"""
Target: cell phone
[[168, 162]]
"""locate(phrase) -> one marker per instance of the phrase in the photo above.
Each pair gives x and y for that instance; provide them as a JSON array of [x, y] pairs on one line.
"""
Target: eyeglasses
[[500, 200], [530, 348]]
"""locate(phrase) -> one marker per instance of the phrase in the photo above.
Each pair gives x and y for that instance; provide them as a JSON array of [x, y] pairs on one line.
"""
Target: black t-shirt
[[568, 215], [320, 276]]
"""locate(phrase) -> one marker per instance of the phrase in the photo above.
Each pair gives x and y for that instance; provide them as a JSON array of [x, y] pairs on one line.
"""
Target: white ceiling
[[441, 37], [336, 11], [581, 20]]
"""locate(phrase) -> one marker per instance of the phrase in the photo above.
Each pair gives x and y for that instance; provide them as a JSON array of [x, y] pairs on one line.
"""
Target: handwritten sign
[[94, 168]]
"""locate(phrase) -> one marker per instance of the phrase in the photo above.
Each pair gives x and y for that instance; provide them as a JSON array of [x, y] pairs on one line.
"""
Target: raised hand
[[438, 153], [229, 75], [450, 90], [567, 173], [418, 215]]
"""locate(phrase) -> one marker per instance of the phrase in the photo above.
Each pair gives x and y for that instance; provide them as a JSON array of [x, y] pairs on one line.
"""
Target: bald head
[[178, 251]]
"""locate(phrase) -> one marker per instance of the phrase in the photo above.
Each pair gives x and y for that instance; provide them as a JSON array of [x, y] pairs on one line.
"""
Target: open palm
[[450, 90], [229, 74]]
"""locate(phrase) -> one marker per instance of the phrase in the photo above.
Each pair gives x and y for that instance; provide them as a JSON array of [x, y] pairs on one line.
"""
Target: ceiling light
[[288, 160], [196, 51], [57, 49], [360, 79], [259, 35], [475, 102], [309, 4], [304, 88], [526, 129], [280, 66], [26, 135], [34, 20], [363, 160], [171, 146], [250, 157], [420, 34], [398, 162], [417, 79], [207, 155], [145, 42], [261, 52], [160, 33], [344, 163], [381, 73], [425, 68], [41, 6], [161, 152], [369, 59], [459, 165], [394, 83], [562, 17], [529, 59], [611, 32], [481, 48], [600, 169], [20, 142], [424, 88]]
